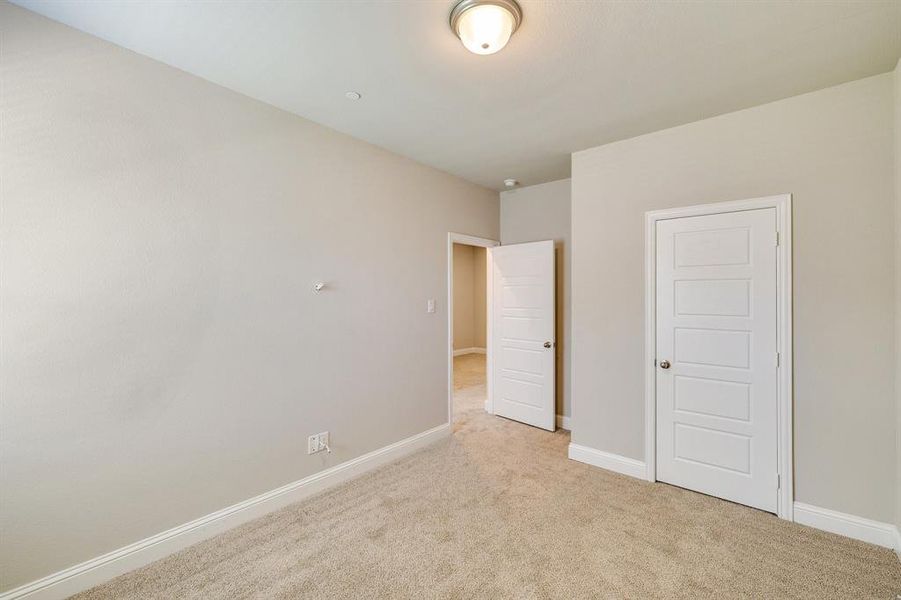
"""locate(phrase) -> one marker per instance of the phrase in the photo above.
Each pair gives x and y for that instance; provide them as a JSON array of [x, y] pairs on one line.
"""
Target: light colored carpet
[[498, 511]]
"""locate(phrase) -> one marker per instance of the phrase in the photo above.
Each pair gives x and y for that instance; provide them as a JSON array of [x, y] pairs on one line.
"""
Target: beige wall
[[833, 150], [480, 296], [897, 98], [470, 308], [164, 354], [464, 322], [542, 212]]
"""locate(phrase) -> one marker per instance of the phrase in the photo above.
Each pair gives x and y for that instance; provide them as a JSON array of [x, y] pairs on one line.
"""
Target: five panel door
[[522, 331], [717, 413]]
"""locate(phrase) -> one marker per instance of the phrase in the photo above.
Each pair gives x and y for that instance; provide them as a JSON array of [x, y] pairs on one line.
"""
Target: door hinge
[[778, 481], [777, 238], [778, 359]]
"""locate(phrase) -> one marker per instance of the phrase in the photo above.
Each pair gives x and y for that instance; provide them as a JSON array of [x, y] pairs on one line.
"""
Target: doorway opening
[[468, 295], [516, 377]]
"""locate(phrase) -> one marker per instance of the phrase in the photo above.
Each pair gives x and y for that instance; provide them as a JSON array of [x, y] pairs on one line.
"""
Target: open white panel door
[[522, 333]]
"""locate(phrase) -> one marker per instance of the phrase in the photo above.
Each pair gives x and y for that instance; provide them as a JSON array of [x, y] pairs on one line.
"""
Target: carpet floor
[[498, 511]]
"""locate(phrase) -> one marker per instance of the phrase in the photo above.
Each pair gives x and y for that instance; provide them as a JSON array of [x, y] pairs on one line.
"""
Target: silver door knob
[[664, 364], [547, 344]]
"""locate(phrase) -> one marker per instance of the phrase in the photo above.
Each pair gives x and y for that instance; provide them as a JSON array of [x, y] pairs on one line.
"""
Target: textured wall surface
[[163, 352], [542, 212], [833, 151]]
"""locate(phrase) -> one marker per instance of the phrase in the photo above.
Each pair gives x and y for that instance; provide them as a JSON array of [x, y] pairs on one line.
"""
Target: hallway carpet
[[497, 511]]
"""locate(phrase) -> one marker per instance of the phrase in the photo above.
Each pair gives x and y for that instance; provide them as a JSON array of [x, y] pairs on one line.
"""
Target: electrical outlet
[[323, 441]]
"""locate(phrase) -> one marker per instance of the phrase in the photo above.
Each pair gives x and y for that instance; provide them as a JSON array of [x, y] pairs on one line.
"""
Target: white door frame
[[782, 204], [468, 240]]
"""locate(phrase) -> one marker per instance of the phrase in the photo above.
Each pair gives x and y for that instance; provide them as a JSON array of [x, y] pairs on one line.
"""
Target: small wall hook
[[319, 286]]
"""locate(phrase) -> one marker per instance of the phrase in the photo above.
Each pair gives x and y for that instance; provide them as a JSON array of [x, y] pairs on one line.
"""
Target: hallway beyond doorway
[[470, 389]]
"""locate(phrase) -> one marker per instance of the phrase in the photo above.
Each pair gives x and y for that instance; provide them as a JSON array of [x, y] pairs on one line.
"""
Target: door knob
[[664, 364], [547, 344]]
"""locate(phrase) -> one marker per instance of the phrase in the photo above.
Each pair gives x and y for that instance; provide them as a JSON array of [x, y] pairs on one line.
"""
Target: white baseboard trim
[[859, 528], [103, 568], [472, 350], [886, 535], [898, 542], [606, 460]]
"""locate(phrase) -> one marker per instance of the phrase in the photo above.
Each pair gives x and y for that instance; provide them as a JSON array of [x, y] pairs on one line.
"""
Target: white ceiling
[[577, 74]]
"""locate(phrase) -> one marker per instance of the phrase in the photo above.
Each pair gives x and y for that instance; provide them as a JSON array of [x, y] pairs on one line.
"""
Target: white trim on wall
[[468, 240], [608, 461], [859, 528], [886, 535], [103, 568], [782, 204], [563, 422], [897, 541], [473, 350]]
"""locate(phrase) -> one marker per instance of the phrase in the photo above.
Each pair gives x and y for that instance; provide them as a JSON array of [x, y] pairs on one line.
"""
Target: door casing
[[782, 204]]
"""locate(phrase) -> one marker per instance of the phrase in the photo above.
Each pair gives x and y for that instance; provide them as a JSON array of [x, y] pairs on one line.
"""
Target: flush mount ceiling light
[[485, 26]]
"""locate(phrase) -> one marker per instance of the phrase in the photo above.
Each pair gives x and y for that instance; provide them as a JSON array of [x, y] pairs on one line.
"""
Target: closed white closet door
[[717, 367], [522, 330]]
